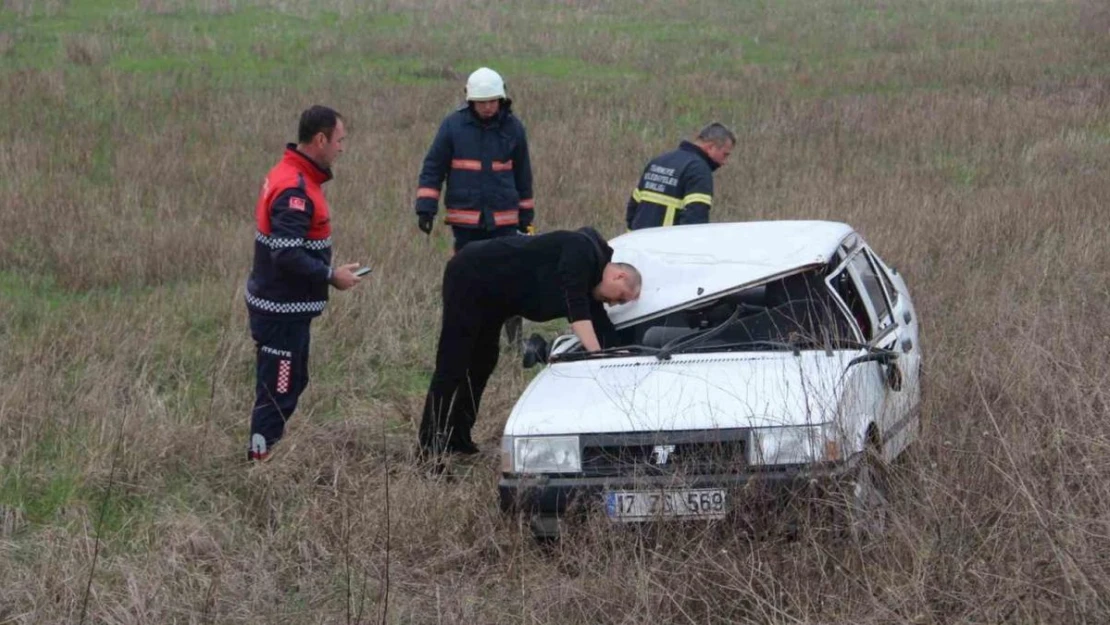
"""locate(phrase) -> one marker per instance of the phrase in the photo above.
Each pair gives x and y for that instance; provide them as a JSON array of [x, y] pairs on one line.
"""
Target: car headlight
[[541, 454], [794, 444]]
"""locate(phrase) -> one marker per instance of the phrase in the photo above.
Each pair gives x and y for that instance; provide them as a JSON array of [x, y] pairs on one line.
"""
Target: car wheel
[[868, 500]]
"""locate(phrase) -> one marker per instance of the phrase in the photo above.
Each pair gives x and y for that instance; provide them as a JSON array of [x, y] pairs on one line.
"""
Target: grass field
[[968, 140]]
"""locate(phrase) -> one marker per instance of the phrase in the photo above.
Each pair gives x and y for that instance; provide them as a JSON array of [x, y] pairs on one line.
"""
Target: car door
[[893, 334], [871, 391], [908, 400]]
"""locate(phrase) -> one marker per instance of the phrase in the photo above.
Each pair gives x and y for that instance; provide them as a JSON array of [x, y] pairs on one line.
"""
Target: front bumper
[[555, 495]]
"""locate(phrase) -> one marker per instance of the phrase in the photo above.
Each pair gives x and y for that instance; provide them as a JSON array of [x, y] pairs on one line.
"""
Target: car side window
[[846, 289], [873, 290], [880, 269]]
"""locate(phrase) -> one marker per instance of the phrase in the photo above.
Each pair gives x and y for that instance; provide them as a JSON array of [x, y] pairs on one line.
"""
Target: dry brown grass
[[974, 158]]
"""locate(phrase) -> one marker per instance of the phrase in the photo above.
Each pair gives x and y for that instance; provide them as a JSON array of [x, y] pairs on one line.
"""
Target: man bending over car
[[558, 274]]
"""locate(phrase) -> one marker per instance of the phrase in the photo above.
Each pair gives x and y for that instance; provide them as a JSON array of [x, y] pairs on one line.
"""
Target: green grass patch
[[404, 381], [43, 500], [32, 298], [28, 300], [255, 44], [959, 171], [34, 291], [39, 498], [182, 358], [118, 515], [556, 67]]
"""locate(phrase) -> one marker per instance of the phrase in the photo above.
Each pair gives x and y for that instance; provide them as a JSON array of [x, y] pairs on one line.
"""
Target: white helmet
[[484, 84]]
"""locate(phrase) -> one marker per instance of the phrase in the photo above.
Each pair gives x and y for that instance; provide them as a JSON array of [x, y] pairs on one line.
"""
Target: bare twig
[[347, 550], [215, 369], [210, 599], [1015, 477], [388, 530], [100, 521]]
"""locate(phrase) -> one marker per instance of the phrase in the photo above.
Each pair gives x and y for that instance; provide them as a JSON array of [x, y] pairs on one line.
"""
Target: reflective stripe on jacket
[[675, 188]]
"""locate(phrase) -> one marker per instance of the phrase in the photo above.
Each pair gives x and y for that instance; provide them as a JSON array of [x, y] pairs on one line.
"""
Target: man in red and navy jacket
[[482, 151], [288, 285]]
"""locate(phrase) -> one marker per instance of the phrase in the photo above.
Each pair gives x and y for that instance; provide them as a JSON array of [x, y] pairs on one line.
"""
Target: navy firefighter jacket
[[675, 189], [487, 169]]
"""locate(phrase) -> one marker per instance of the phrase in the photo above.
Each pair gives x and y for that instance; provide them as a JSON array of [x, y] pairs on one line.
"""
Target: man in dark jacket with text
[[676, 188], [288, 284], [558, 274]]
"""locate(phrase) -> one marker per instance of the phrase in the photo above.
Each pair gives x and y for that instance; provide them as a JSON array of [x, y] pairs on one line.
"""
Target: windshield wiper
[[797, 345], [683, 342], [779, 345], [609, 352], [840, 343]]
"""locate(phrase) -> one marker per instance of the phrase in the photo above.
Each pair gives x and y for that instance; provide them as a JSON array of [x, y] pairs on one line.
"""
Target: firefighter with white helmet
[[484, 84], [481, 152]]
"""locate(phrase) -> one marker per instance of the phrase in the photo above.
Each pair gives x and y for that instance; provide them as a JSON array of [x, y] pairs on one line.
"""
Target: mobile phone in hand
[[362, 271]]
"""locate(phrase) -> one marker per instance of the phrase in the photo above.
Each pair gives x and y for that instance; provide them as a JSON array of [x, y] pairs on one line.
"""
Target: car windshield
[[793, 313]]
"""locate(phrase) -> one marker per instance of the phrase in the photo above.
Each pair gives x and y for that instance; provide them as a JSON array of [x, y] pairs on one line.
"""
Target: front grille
[[713, 452]]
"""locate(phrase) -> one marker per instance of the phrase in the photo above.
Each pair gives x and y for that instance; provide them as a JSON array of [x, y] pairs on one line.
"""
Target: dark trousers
[[281, 372], [463, 236], [513, 325], [465, 359]]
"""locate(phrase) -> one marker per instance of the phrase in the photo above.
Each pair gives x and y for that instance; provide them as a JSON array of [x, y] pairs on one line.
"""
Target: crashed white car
[[773, 354]]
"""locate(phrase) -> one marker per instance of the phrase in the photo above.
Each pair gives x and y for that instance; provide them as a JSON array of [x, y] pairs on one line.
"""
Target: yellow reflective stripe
[[697, 197], [672, 204], [656, 198], [668, 218]]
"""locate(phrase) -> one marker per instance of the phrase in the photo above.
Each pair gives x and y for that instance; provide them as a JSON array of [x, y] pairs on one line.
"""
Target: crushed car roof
[[687, 264]]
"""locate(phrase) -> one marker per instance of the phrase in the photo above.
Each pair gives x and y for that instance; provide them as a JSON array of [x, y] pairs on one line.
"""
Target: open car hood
[[685, 265], [688, 392]]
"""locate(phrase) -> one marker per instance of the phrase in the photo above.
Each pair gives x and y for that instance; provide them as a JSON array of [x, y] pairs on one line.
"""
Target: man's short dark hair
[[635, 280], [315, 120], [717, 134]]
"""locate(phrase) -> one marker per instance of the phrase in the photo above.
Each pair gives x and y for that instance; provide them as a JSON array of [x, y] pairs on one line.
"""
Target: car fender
[[862, 398]]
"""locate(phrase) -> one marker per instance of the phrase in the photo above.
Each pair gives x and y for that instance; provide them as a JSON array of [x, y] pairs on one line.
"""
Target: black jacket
[[540, 277], [487, 168], [675, 188]]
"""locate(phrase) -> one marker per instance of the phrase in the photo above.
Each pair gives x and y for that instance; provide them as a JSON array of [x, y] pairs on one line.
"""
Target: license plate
[[645, 505]]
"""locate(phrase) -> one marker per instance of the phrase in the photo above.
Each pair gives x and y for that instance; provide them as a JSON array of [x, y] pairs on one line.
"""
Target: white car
[[774, 354]]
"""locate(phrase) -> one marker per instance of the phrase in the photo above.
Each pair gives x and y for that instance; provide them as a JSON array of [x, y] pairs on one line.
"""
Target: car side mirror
[[535, 351], [883, 358]]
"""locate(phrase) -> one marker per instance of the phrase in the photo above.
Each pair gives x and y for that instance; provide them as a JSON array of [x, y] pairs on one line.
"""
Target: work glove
[[424, 222], [525, 224]]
